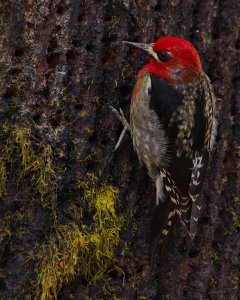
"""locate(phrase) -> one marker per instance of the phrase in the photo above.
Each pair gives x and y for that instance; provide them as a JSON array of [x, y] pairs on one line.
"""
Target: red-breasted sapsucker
[[173, 130]]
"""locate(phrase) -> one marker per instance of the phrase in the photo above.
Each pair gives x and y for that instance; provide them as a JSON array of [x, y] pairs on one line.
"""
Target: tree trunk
[[75, 216]]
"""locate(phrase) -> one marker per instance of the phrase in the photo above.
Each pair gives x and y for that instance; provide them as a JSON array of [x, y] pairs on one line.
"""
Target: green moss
[[235, 218], [214, 256], [87, 130], [79, 247], [3, 176], [115, 20], [58, 260], [22, 135], [83, 114], [234, 279], [32, 168], [7, 221], [5, 157], [5, 228], [85, 250], [105, 236], [237, 151], [41, 171], [96, 100], [212, 282], [162, 21]]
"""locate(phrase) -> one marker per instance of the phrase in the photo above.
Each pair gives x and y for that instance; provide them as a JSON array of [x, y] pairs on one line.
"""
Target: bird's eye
[[164, 55]]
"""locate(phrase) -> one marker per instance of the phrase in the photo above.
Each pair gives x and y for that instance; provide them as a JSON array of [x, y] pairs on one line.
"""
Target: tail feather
[[189, 210], [195, 212], [184, 212], [161, 224]]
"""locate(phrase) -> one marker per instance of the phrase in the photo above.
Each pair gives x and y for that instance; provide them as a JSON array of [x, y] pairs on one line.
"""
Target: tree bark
[[62, 64]]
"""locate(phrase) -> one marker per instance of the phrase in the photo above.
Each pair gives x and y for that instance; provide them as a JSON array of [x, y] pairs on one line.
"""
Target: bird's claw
[[126, 126], [120, 117]]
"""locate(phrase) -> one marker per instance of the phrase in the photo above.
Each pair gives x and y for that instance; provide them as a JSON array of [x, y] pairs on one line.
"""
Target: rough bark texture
[[62, 65]]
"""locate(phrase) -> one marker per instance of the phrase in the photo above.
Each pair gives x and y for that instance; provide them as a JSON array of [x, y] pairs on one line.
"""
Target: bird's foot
[[126, 126]]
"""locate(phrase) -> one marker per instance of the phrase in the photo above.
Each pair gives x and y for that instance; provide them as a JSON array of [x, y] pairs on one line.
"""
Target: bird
[[173, 129]]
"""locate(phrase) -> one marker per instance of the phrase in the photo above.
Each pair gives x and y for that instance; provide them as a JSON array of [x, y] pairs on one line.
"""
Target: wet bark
[[62, 64]]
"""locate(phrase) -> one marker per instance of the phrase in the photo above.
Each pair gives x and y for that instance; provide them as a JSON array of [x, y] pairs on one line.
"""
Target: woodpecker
[[173, 128]]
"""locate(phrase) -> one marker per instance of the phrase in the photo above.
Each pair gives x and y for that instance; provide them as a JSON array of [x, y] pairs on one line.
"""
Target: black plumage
[[165, 100]]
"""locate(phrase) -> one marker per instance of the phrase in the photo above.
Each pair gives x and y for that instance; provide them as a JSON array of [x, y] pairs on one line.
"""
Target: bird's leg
[[126, 126]]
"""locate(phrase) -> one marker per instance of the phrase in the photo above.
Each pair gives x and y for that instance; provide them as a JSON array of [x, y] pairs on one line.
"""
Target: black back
[[165, 100]]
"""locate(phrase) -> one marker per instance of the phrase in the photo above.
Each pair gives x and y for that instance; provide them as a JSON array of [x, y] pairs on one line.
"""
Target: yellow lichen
[[235, 218], [86, 249], [35, 167], [58, 260], [22, 138], [41, 170], [5, 157], [81, 249], [105, 236], [3, 176]]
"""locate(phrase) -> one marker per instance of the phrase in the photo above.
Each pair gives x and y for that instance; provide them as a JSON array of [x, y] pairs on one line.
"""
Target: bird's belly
[[149, 138]]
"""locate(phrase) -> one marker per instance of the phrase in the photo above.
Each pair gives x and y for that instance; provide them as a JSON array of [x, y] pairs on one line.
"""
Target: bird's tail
[[184, 212], [163, 218], [189, 210], [196, 212]]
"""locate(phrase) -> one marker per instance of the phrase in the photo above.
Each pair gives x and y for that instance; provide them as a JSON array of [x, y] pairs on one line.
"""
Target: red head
[[173, 59]]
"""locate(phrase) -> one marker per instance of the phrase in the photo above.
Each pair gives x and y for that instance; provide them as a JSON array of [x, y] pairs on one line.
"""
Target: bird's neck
[[175, 75]]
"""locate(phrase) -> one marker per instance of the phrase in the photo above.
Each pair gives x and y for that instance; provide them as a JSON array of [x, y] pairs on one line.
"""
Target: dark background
[[62, 64]]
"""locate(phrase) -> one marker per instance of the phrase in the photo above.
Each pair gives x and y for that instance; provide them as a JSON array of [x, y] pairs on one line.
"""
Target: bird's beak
[[145, 47]]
